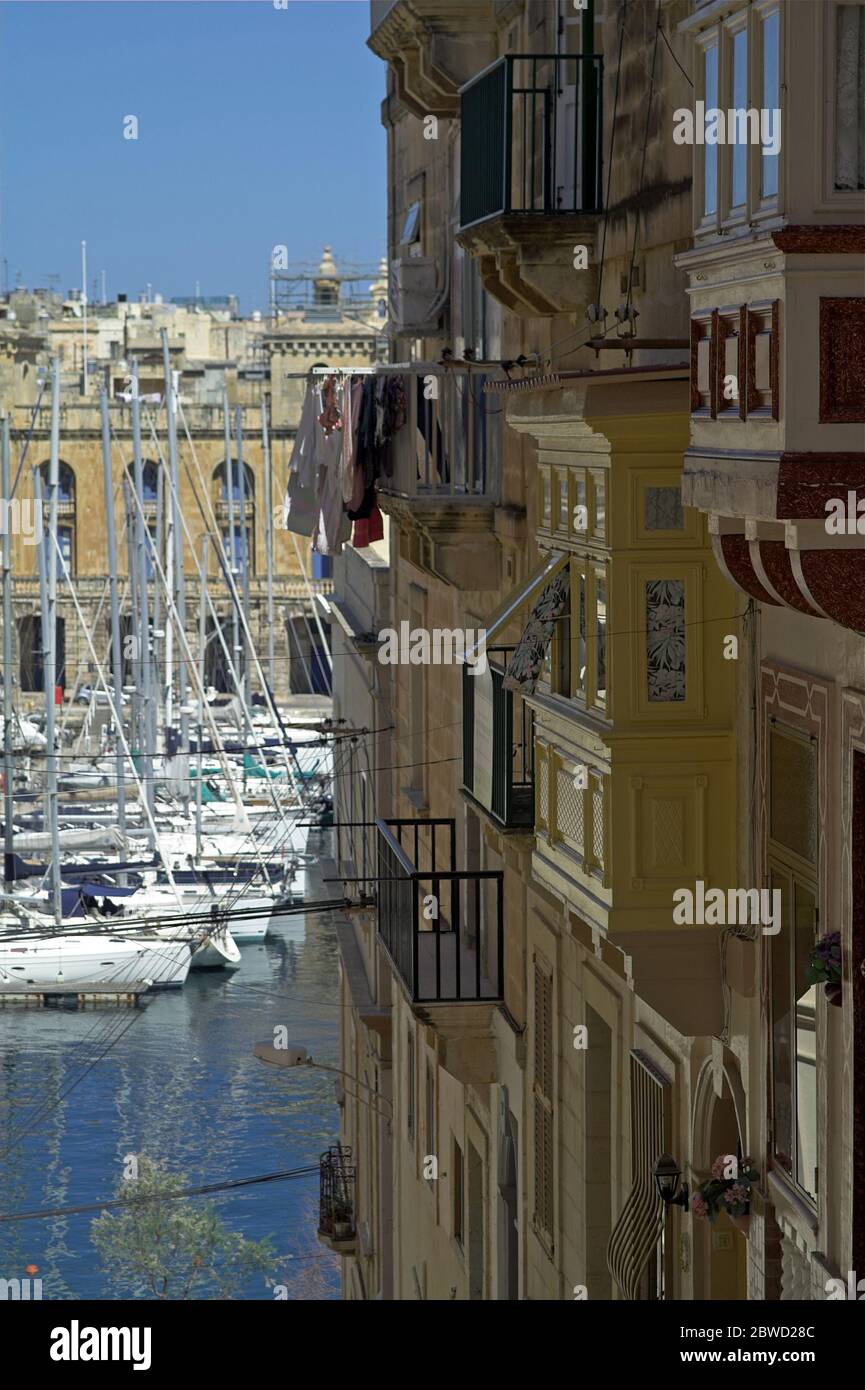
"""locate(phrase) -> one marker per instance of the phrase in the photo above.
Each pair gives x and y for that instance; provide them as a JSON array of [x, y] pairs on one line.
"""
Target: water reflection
[[177, 1080]]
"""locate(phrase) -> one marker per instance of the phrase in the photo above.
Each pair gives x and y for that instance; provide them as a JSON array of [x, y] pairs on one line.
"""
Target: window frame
[[828, 198]]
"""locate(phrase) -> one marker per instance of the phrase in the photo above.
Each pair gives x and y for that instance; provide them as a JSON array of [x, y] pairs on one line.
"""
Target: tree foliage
[[156, 1245]]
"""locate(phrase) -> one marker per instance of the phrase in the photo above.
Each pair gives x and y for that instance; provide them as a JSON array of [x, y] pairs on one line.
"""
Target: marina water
[[178, 1082]]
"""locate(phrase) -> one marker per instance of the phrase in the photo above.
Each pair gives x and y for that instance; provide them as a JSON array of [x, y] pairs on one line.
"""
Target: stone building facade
[[637, 532], [256, 362]]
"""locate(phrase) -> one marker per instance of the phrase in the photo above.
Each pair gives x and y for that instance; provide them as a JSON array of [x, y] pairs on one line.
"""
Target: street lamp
[[667, 1173], [295, 1055]]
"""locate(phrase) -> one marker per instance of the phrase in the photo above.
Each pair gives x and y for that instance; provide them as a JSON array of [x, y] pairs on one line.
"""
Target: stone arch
[[719, 1126]]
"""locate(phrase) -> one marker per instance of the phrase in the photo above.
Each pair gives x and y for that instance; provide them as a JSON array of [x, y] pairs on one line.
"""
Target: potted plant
[[728, 1189], [824, 966]]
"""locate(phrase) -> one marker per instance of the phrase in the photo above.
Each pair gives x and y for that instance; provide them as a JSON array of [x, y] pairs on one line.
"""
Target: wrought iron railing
[[498, 744], [443, 928], [531, 137], [336, 1211]]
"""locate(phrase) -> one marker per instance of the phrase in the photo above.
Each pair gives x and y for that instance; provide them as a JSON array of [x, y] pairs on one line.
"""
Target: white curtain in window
[[850, 98]]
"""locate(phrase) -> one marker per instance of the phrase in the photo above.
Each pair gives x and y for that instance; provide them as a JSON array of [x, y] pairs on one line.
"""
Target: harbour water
[[176, 1080]]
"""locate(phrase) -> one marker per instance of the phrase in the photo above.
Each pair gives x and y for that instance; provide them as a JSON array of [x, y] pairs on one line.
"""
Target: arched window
[[243, 531], [149, 505], [65, 509], [31, 658], [219, 474]]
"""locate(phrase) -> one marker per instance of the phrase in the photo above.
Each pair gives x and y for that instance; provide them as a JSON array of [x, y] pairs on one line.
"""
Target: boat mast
[[179, 585], [268, 539], [116, 647], [48, 580], [244, 550], [232, 534], [205, 541], [8, 798], [147, 737]]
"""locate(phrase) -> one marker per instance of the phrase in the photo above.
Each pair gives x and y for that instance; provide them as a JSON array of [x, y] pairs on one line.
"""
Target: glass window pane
[[850, 98], [579, 500], [580, 674], [600, 503], [805, 997], [601, 620], [710, 152], [771, 98], [782, 1029], [793, 814], [665, 640], [740, 103]]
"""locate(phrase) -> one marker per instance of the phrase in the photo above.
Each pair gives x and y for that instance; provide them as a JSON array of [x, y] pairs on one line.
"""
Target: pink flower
[[699, 1205], [735, 1194], [723, 1163]]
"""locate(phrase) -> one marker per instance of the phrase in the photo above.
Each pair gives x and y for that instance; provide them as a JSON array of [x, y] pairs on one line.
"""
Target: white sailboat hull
[[74, 958]]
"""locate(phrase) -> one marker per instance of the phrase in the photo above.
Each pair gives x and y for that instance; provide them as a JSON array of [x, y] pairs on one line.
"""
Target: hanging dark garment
[[366, 450], [364, 511], [525, 665], [431, 445]]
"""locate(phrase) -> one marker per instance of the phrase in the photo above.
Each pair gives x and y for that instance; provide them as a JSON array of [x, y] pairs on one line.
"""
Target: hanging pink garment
[[351, 417], [330, 418]]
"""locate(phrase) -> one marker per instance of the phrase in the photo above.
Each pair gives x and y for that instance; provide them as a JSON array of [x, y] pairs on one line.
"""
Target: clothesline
[[339, 452]]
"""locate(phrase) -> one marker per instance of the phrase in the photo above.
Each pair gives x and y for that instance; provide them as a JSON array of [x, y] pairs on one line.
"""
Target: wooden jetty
[[84, 996]]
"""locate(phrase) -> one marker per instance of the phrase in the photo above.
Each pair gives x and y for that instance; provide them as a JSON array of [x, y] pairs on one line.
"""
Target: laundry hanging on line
[[340, 452]]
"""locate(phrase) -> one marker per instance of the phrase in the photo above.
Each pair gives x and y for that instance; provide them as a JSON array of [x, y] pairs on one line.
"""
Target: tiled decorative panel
[[665, 640], [662, 509]]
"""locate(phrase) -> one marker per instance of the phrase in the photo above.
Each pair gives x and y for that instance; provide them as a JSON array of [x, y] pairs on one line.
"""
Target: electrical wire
[[675, 59], [203, 1190]]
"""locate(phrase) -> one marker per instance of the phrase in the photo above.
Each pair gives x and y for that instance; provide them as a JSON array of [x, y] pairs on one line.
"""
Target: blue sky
[[257, 127]]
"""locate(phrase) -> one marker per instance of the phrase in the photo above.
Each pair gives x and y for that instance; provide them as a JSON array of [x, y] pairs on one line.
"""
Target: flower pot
[[834, 993], [742, 1223]]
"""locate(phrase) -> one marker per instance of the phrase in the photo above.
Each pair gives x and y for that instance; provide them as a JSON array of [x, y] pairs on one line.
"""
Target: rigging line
[[118, 715], [397, 767], [250, 644], [643, 159], [144, 926], [612, 149], [675, 59], [29, 435], [205, 1189], [191, 665]]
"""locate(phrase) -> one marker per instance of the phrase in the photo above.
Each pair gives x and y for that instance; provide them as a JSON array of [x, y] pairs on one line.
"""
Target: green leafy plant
[[157, 1245], [824, 966]]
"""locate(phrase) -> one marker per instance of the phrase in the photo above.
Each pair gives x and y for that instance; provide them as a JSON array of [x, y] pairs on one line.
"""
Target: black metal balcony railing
[[498, 745], [443, 928], [336, 1215], [531, 137], [449, 445]]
